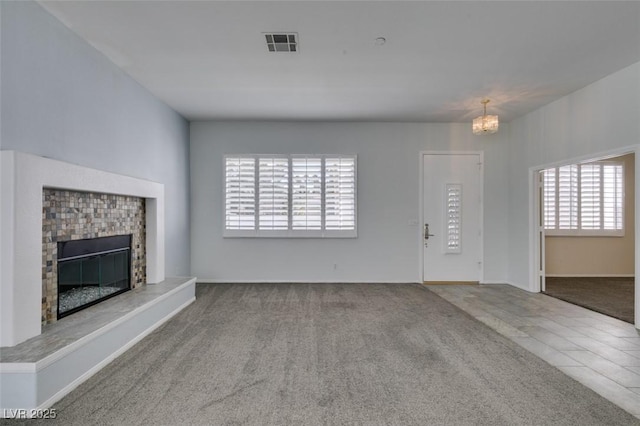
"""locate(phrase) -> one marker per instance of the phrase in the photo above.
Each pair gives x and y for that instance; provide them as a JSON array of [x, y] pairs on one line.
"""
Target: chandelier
[[485, 124]]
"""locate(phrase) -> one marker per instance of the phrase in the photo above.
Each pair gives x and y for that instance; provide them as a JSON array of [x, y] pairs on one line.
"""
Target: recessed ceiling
[[208, 60]]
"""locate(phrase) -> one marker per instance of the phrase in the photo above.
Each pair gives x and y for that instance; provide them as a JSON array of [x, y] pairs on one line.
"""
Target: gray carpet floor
[[324, 354], [612, 296]]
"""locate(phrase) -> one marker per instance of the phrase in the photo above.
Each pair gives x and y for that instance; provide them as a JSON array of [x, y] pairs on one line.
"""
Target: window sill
[[606, 234], [290, 234]]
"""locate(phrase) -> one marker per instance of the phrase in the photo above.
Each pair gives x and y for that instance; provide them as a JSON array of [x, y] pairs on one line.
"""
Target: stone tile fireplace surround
[[25, 181], [73, 215]]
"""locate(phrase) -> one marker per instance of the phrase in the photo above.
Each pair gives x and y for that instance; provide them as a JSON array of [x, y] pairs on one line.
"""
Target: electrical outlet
[[335, 266]]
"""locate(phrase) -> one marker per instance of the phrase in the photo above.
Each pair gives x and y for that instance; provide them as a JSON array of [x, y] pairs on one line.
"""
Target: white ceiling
[[209, 61]]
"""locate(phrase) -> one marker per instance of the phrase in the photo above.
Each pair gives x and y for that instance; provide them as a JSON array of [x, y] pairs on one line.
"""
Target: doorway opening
[[586, 233]]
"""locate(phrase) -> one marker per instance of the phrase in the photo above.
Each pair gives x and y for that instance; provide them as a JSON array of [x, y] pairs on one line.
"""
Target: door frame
[[421, 209], [537, 248]]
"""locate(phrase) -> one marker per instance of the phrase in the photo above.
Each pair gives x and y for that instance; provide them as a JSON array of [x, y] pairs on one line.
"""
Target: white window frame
[[579, 231], [290, 232]]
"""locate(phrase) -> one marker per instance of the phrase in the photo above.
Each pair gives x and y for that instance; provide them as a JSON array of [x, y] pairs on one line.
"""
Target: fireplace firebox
[[92, 270]]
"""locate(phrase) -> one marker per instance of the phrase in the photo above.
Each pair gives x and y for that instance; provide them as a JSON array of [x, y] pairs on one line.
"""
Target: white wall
[[387, 248], [602, 117], [63, 99]]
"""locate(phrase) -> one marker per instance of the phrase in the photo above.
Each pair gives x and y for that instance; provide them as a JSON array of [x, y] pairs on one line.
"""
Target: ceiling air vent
[[282, 42]]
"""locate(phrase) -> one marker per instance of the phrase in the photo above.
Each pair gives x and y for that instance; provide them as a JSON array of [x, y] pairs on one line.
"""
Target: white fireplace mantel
[[22, 177]]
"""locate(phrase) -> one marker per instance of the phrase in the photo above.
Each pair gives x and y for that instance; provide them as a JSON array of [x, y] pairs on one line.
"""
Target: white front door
[[451, 220]]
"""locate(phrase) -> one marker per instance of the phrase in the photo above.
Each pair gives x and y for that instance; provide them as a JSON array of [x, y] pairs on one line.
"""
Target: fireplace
[[50, 201], [92, 270], [72, 216]]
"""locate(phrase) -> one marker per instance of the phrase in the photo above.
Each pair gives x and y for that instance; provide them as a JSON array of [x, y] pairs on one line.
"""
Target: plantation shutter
[[590, 193], [240, 196], [549, 191], [306, 193], [290, 196], [453, 217], [340, 193], [273, 190], [568, 197], [584, 199], [613, 196]]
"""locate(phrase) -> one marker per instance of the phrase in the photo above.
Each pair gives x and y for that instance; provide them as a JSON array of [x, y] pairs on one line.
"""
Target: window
[[453, 217], [290, 196], [584, 199]]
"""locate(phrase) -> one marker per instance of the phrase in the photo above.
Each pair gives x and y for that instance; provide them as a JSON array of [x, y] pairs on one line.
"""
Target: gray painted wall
[[387, 247], [63, 99]]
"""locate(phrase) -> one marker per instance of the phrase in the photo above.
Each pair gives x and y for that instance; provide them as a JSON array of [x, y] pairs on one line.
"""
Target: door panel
[[540, 231], [451, 217]]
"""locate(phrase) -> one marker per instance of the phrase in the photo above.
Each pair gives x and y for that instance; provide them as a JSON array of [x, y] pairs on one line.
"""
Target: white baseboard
[[220, 281], [590, 275]]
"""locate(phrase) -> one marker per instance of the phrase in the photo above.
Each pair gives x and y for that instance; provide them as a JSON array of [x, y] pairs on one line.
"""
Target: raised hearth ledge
[[40, 371], [22, 178]]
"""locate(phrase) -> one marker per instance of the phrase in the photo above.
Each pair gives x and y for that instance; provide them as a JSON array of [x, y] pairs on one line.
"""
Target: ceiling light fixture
[[485, 124], [380, 41]]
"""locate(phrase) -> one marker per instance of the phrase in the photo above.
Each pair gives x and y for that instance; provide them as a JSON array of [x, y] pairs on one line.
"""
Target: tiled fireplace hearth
[[103, 233]]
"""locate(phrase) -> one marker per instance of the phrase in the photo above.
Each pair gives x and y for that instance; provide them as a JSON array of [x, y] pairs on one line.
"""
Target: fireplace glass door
[[87, 279]]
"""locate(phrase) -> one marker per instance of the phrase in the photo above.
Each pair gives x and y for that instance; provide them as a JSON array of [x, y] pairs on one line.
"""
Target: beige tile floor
[[600, 352]]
